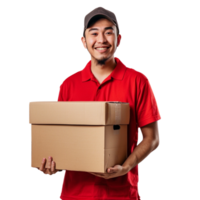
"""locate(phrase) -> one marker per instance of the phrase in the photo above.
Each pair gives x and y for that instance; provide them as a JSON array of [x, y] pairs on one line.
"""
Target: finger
[[55, 171], [53, 167], [49, 162], [48, 166]]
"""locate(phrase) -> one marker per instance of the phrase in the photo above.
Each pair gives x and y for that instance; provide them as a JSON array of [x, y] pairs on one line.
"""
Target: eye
[[94, 34], [108, 33]]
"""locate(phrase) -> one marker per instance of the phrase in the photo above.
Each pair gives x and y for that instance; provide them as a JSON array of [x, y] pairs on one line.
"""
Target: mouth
[[102, 49]]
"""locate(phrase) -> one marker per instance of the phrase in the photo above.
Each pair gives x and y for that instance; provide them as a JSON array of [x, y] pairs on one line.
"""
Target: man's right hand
[[51, 166]]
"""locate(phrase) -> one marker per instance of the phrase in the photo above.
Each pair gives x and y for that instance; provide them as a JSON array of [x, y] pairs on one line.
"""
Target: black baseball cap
[[100, 11]]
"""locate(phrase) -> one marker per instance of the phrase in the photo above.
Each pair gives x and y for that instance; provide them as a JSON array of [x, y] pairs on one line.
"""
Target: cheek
[[113, 42], [90, 42]]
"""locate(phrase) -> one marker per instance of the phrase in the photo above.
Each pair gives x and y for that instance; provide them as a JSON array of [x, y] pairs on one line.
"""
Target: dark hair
[[96, 18]]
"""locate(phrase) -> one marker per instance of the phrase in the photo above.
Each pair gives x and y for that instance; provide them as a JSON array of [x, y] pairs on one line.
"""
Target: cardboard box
[[80, 136]]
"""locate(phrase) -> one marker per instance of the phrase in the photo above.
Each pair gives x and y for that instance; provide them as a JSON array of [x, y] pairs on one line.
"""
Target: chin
[[102, 58]]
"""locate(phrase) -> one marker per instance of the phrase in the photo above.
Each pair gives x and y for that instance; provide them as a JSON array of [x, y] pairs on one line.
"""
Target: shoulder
[[71, 77], [135, 76]]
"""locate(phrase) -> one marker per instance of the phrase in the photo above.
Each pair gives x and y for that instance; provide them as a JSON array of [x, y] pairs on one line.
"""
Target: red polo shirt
[[123, 84]]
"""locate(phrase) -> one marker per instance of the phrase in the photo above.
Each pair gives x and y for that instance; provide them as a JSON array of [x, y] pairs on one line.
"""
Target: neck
[[102, 68]]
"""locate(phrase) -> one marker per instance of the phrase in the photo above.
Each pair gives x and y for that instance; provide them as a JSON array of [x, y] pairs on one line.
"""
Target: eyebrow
[[106, 28]]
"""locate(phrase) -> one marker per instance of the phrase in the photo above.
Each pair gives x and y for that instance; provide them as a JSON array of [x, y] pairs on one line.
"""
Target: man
[[106, 78]]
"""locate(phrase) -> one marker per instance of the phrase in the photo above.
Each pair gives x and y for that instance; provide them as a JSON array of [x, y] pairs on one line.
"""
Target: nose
[[101, 38]]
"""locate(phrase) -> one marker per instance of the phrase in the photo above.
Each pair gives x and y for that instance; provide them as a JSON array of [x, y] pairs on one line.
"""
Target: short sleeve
[[63, 93], [146, 105]]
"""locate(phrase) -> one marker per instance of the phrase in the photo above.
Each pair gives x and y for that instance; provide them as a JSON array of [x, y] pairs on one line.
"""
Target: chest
[[100, 79], [109, 91]]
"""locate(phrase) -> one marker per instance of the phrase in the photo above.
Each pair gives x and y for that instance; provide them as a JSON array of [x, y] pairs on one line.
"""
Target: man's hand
[[51, 167], [113, 172]]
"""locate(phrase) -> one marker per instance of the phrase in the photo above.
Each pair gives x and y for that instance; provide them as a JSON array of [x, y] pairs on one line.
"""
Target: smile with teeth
[[101, 48]]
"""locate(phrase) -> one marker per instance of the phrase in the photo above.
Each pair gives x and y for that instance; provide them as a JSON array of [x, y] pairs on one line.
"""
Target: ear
[[118, 39], [84, 42]]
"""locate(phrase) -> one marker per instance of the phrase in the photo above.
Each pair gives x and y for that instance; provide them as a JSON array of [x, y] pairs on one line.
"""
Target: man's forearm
[[140, 152]]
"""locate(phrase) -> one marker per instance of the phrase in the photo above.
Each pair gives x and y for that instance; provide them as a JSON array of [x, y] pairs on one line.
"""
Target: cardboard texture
[[80, 136]]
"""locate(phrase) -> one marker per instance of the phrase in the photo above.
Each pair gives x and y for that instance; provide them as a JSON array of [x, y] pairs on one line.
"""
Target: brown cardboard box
[[91, 146]]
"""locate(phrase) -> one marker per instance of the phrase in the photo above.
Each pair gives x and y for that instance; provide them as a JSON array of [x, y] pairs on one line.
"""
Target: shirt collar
[[117, 73]]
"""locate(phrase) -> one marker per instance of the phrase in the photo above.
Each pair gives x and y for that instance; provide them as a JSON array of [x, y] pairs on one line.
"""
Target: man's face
[[101, 40]]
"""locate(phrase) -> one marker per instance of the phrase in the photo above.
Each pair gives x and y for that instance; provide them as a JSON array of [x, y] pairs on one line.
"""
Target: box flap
[[79, 113]]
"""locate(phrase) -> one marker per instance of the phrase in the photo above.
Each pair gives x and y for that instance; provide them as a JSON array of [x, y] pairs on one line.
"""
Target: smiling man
[[101, 39], [106, 78]]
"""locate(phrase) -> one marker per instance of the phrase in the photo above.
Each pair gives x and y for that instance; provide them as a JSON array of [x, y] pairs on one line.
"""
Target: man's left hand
[[112, 172]]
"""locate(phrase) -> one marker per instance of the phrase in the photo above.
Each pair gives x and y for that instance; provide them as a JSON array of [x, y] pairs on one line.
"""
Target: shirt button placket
[[97, 93]]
